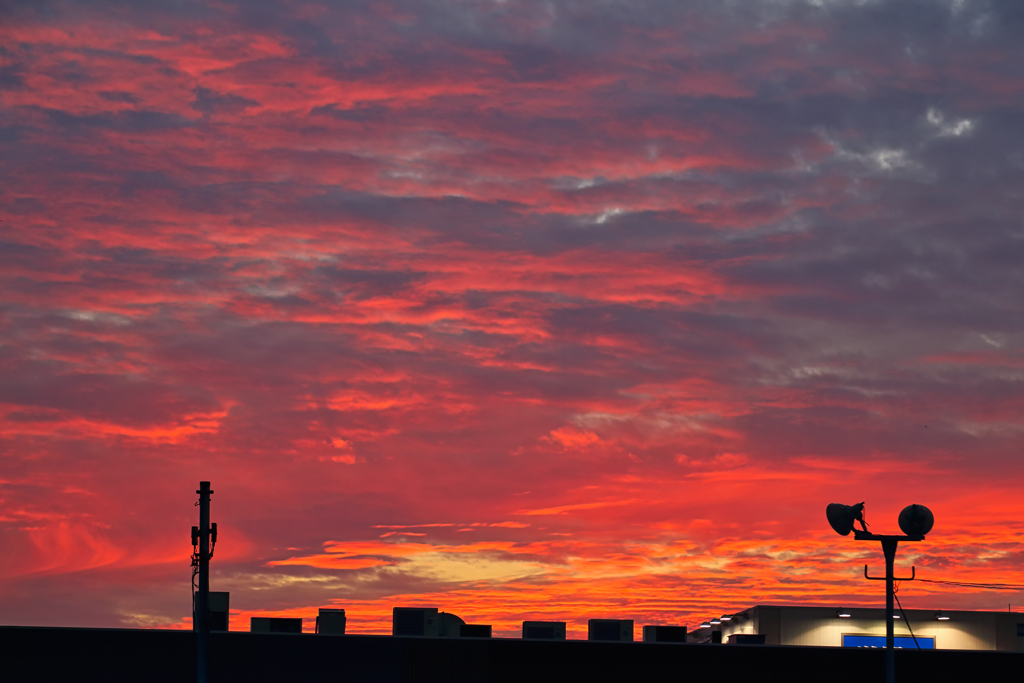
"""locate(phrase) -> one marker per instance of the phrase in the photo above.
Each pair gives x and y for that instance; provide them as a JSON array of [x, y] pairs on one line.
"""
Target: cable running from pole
[[988, 586], [896, 590]]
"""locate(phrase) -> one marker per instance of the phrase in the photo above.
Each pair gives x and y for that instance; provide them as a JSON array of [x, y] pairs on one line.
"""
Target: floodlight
[[726, 617], [716, 622], [895, 616], [844, 613], [841, 517], [705, 625], [916, 520], [941, 617]]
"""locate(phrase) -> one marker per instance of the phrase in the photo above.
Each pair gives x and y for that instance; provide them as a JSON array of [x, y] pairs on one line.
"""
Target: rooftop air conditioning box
[[415, 621], [614, 630], [664, 634], [275, 625], [475, 631], [330, 622], [544, 630]]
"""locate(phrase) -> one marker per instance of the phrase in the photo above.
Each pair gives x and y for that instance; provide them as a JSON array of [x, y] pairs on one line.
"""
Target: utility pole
[[201, 616]]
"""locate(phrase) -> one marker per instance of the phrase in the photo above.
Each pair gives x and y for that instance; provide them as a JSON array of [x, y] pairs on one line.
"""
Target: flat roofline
[[855, 606]]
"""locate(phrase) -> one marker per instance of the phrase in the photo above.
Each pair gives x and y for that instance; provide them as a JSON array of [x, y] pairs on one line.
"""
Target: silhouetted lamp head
[[916, 520], [841, 518]]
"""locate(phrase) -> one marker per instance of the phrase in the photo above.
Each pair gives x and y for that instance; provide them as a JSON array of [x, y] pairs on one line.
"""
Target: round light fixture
[[716, 622], [844, 614], [916, 520], [726, 617], [705, 625], [941, 617]]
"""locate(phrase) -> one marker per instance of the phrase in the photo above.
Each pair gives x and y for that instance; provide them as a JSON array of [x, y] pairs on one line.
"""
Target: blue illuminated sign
[[925, 642]]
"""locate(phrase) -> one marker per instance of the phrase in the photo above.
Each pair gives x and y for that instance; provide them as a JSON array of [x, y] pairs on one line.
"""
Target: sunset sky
[[521, 310]]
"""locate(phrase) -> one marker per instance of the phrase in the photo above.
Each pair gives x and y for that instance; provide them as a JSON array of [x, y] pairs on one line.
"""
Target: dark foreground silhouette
[[155, 656]]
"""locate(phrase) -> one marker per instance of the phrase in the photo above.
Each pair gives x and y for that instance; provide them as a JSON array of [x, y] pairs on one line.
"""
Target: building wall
[[822, 626]]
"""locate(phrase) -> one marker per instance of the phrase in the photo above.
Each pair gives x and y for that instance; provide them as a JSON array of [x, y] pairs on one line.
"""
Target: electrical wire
[[895, 590], [962, 584], [987, 586]]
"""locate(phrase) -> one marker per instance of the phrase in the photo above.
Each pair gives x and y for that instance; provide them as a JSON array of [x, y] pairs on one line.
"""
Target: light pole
[[915, 521]]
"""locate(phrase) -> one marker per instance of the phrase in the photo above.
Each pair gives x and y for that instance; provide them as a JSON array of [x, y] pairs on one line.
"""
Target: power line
[[986, 586], [895, 594]]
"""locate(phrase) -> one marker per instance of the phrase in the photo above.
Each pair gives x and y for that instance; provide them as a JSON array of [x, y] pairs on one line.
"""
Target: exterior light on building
[[716, 622], [844, 614], [895, 616], [726, 617], [705, 625], [941, 617]]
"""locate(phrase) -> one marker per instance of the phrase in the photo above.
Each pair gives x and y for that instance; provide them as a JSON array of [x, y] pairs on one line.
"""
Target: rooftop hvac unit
[[415, 621], [330, 622], [664, 634], [544, 630], [475, 631], [275, 625], [219, 602], [616, 630], [449, 625]]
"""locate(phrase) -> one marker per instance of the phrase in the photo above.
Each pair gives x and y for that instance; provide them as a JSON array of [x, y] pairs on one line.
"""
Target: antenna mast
[[201, 605]]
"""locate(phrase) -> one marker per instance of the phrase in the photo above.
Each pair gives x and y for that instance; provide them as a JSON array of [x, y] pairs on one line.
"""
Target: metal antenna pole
[[889, 549], [202, 615]]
